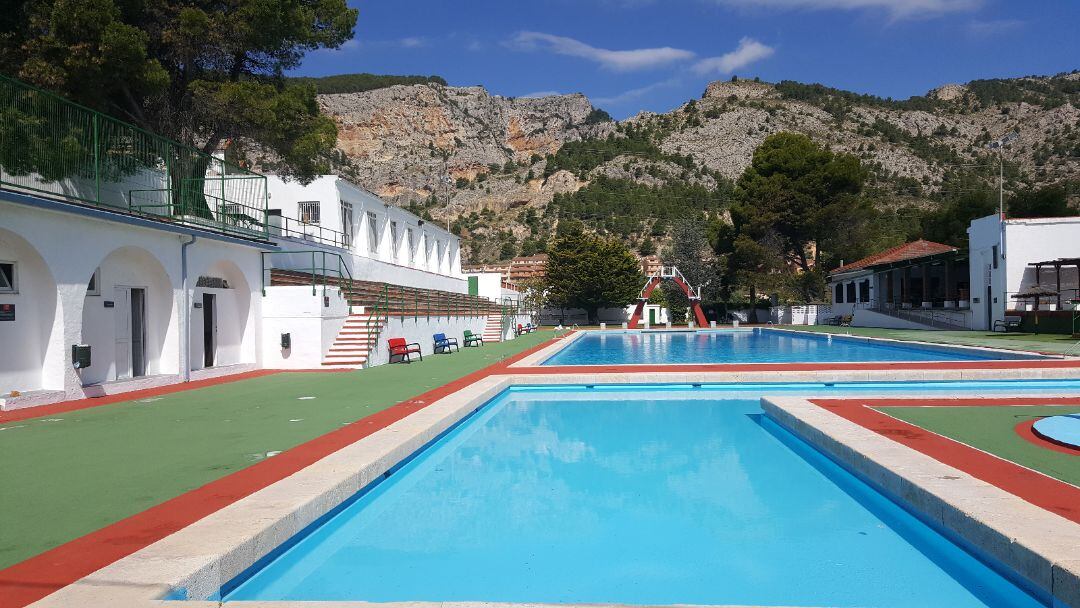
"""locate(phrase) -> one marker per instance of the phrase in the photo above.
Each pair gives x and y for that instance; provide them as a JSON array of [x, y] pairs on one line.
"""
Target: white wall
[[313, 326], [69, 247], [376, 256], [26, 340], [489, 285]]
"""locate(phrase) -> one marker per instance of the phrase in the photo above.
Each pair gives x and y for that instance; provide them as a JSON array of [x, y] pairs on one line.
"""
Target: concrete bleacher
[[391, 300]]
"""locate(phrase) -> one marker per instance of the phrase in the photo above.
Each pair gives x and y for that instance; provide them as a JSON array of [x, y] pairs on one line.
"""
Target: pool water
[[635, 495], [748, 346]]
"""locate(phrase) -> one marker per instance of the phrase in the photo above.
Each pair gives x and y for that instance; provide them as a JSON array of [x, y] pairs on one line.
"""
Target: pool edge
[[1013, 532]]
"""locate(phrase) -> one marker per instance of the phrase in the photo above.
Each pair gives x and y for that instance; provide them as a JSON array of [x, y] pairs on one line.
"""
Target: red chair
[[403, 351]]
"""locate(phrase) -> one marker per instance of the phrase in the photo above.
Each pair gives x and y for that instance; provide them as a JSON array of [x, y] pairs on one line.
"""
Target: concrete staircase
[[354, 343], [493, 329]]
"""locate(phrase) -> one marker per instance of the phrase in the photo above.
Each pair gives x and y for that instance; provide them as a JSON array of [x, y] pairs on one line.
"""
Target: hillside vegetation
[[523, 167]]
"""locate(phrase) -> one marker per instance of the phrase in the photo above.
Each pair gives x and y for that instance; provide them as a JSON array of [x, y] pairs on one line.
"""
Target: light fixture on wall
[[420, 222]]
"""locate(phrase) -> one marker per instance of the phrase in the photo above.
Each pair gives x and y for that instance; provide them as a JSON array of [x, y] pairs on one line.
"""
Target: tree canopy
[[591, 272], [197, 71]]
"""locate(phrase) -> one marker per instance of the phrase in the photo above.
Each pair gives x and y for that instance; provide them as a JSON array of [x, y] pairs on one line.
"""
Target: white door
[[130, 323], [122, 322]]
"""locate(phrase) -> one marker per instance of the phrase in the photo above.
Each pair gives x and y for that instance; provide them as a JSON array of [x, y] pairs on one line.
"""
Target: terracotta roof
[[908, 251]]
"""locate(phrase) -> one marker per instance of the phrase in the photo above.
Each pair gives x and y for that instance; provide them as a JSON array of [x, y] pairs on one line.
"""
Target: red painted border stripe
[[37, 577], [1026, 430], [1051, 494], [82, 404]]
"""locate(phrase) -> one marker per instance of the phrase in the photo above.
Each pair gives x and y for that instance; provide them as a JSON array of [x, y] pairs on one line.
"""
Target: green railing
[[334, 273], [50, 146]]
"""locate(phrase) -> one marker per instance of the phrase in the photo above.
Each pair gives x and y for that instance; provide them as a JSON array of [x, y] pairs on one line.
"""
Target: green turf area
[[1047, 343], [67, 475], [991, 429]]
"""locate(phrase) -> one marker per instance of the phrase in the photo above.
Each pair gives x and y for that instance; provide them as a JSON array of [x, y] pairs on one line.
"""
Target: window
[[851, 293], [864, 291], [393, 241], [9, 278], [93, 288], [409, 243], [838, 295], [373, 232], [995, 256], [346, 224], [309, 212]]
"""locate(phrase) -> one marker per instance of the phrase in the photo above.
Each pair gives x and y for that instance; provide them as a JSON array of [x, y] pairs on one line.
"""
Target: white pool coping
[[537, 359], [204, 556], [1038, 544]]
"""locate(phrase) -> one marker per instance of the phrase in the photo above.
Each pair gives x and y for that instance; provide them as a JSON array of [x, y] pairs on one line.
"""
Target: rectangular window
[[864, 291], [838, 294], [394, 241], [412, 246], [9, 278], [851, 293], [346, 224], [93, 288], [309, 212], [373, 232], [995, 257]]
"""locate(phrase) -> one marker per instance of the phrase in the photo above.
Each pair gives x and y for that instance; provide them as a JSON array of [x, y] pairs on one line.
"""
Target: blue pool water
[[747, 346], [636, 495]]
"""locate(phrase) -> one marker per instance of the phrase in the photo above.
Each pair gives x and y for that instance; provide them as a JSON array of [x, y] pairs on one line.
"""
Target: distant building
[[650, 264], [515, 271]]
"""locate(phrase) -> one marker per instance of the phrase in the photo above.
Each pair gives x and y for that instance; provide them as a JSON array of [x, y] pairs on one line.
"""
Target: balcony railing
[[54, 148]]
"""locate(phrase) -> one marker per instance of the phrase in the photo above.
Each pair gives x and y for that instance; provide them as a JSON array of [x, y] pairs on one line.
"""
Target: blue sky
[[631, 55]]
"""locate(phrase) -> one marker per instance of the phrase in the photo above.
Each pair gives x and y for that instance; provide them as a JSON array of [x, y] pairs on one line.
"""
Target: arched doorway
[[127, 316], [30, 317], [220, 317]]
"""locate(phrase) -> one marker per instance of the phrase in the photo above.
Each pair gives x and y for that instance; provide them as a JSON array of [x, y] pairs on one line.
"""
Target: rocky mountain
[[500, 161]]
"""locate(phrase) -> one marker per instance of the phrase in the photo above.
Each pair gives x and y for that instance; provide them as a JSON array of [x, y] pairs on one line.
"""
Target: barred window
[[373, 232], [309, 212]]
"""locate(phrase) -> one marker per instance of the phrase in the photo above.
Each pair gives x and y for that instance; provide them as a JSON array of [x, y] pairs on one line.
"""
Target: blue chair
[[443, 344]]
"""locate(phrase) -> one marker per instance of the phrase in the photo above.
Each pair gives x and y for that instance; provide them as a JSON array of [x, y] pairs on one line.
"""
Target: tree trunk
[[594, 315]]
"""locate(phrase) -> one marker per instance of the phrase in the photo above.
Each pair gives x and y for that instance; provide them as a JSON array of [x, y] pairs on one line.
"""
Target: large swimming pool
[[634, 495], [756, 345]]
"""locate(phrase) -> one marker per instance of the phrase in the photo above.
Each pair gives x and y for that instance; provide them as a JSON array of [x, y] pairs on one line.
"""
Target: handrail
[[341, 270], [59, 149]]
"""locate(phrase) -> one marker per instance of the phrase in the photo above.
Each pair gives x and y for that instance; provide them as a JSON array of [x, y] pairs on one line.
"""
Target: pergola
[[1056, 265], [947, 263]]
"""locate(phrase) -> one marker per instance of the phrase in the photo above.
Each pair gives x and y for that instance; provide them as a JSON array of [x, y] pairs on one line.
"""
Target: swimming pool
[[635, 495], [756, 345]]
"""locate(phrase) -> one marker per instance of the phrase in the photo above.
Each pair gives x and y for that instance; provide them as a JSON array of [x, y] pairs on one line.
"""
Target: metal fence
[[53, 147]]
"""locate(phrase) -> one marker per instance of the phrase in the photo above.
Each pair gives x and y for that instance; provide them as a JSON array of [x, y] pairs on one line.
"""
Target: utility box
[[286, 341], [80, 356]]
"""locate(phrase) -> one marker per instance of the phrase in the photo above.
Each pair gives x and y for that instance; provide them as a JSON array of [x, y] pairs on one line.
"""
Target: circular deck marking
[[1062, 430]]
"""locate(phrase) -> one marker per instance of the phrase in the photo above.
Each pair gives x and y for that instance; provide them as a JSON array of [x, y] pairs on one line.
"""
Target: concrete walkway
[[1045, 343]]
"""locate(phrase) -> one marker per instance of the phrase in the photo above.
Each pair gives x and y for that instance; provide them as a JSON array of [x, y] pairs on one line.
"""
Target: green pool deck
[[69, 474], [991, 429], [1044, 343]]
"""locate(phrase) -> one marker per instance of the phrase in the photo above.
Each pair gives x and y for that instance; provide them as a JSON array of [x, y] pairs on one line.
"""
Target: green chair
[[472, 339]]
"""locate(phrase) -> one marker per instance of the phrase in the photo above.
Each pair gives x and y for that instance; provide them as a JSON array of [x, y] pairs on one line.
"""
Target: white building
[[925, 285], [1009, 256], [128, 261]]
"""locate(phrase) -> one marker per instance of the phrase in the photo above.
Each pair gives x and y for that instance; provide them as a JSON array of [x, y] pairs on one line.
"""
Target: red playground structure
[[669, 272]]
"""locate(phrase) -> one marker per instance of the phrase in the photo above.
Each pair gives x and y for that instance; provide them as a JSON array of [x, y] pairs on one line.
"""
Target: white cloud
[[990, 28], [898, 9], [535, 94], [633, 94], [749, 51], [412, 42], [622, 61]]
